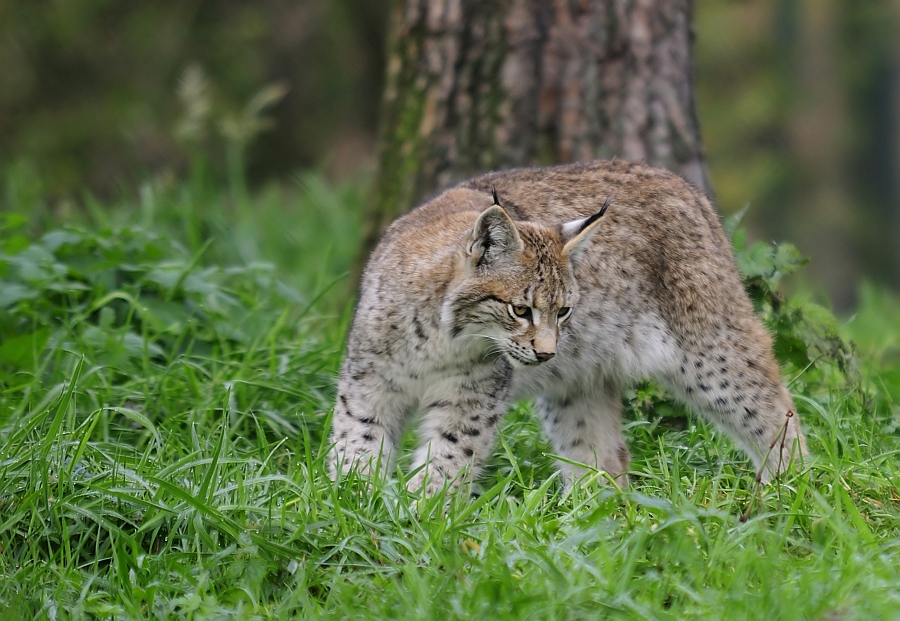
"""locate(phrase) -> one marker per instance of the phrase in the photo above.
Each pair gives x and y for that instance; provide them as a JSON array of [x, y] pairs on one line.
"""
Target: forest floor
[[167, 370]]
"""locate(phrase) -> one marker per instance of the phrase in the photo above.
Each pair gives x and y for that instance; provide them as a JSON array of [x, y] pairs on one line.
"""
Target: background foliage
[[800, 107], [89, 89]]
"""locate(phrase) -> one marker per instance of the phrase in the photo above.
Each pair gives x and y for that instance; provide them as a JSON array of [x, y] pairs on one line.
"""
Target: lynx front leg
[[366, 426], [460, 416], [587, 428]]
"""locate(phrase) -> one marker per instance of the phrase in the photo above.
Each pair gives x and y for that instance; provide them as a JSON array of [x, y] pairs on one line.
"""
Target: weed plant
[[166, 381]]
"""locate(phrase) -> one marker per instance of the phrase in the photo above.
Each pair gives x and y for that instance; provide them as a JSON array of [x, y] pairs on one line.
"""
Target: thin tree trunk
[[894, 125], [818, 130], [476, 85]]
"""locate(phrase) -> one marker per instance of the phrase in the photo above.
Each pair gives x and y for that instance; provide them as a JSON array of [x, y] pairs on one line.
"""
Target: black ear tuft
[[589, 221], [577, 232], [494, 195]]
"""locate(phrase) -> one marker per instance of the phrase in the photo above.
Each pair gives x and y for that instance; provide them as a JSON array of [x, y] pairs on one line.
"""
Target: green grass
[[164, 406]]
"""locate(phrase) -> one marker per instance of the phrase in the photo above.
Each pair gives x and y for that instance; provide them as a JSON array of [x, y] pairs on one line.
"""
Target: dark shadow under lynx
[[473, 299]]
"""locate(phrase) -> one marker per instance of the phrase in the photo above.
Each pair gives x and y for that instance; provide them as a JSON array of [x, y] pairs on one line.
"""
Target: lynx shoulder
[[512, 285]]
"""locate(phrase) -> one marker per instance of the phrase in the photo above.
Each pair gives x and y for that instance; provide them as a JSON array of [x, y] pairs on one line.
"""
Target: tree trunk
[[894, 125], [476, 85]]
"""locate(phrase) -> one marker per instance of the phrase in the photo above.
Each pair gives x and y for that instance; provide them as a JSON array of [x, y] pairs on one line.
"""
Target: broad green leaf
[[54, 240], [23, 350], [12, 292]]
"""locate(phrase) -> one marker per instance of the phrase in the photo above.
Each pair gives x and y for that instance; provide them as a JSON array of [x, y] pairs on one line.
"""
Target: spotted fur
[[465, 305]]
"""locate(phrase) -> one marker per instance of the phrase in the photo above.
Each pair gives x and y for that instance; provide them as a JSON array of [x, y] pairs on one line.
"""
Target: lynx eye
[[519, 312], [563, 313]]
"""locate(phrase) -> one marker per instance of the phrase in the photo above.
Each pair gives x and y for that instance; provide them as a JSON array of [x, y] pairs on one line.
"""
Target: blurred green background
[[799, 105]]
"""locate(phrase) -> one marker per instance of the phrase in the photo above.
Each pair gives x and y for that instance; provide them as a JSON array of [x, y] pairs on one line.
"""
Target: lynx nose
[[544, 356]]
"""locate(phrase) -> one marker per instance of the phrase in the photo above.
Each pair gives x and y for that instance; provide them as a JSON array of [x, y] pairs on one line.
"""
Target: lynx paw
[[426, 481], [430, 481]]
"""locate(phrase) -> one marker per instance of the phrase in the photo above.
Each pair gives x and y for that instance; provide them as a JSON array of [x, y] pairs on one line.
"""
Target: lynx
[[520, 284]]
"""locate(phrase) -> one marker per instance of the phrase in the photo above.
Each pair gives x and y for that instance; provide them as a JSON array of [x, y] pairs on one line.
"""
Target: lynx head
[[516, 289]]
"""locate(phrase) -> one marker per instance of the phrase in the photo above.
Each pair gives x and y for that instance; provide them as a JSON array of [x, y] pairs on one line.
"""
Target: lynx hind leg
[[587, 429], [734, 381]]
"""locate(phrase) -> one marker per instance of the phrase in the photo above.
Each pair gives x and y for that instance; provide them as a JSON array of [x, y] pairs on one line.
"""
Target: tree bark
[[476, 85]]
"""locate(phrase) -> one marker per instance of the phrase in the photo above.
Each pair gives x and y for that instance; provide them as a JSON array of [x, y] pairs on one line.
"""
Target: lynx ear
[[494, 236], [577, 232]]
